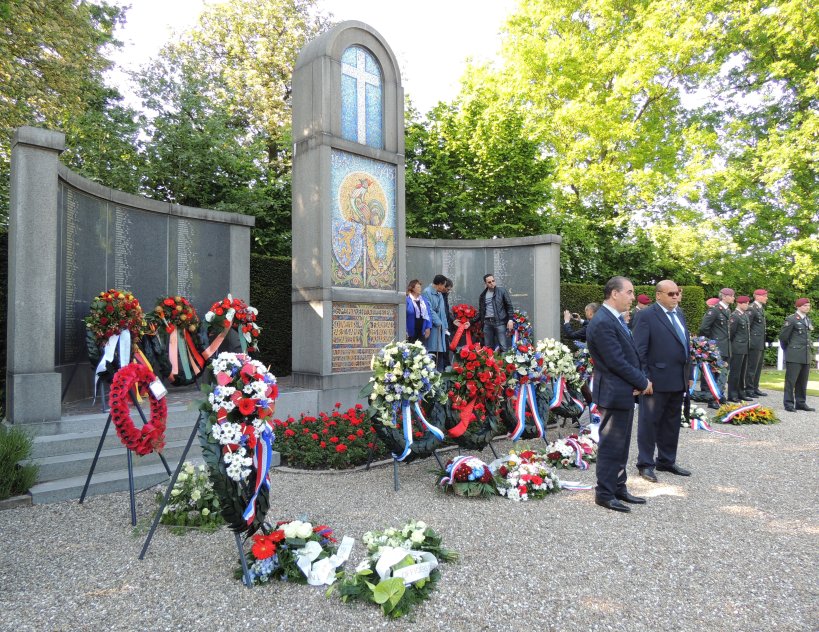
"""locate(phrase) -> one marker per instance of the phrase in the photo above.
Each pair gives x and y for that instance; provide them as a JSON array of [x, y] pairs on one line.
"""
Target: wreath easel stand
[[131, 490]]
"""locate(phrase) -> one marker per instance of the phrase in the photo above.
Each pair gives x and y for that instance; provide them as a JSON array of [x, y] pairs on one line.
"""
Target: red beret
[[760, 292], [802, 301], [642, 299], [726, 291], [743, 299], [711, 302]]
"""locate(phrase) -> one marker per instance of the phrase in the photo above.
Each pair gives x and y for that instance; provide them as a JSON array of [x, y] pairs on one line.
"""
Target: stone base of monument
[[64, 450]]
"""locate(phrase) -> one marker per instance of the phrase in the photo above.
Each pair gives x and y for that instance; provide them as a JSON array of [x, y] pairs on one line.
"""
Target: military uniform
[[714, 326], [740, 333], [795, 339], [756, 316]]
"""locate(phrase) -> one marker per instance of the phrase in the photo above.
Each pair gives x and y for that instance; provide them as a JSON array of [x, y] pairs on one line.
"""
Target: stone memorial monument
[[348, 209]]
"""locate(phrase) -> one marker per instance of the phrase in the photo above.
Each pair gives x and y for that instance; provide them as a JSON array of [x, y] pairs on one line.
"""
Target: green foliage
[[15, 446], [270, 293], [193, 503], [336, 441]]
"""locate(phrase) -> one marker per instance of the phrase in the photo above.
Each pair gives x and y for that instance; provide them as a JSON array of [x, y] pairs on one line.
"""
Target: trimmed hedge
[[270, 293], [575, 297]]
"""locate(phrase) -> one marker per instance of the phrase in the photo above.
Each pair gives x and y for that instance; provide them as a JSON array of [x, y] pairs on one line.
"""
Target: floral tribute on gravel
[[298, 552], [468, 476], [232, 313], [696, 417], [237, 437], [707, 361], [525, 376], [521, 327], [525, 475], [740, 414], [563, 378], [193, 503], [404, 375], [476, 385], [151, 437], [340, 440], [467, 330], [401, 568], [584, 364], [576, 450]]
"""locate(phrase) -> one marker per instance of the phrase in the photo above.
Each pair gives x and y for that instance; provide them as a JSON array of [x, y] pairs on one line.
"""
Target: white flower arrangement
[[696, 412], [558, 361], [524, 475], [524, 363]]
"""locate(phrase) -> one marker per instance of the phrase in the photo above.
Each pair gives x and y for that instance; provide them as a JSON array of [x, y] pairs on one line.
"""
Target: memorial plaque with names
[[359, 331]]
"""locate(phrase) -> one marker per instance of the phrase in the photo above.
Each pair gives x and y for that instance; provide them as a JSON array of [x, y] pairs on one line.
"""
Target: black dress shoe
[[674, 469], [634, 500], [747, 395], [614, 504], [808, 408], [713, 405], [648, 474], [734, 400], [790, 409], [723, 400], [760, 393]]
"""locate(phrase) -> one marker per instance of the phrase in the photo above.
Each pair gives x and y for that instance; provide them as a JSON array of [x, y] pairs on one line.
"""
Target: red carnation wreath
[[151, 437]]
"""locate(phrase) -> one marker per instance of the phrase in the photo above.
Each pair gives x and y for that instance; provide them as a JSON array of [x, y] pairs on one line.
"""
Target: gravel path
[[734, 547]]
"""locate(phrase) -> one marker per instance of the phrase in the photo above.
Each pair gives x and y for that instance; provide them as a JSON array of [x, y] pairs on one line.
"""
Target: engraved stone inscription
[[359, 331]]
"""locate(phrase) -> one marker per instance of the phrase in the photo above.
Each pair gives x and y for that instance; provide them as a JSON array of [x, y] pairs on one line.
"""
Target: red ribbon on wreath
[[463, 327], [151, 437]]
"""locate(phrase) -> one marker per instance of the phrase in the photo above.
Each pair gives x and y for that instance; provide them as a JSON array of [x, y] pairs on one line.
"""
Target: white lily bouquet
[[559, 361]]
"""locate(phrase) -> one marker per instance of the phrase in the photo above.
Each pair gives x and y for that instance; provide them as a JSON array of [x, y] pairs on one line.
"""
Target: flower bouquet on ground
[[176, 324], [524, 475], [468, 476], [232, 313], [564, 381], [521, 327], [338, 440], [576, 450], [401, 568], [475, 387], [524, 383], [740, 414], [298, 552], [708, 364], [697, 414], [467, 333], [193, 503], [404, 376], [237, 438], [113, 327]]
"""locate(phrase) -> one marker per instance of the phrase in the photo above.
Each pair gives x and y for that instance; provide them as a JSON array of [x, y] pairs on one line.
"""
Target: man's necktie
[[623, 323], [678, 326]]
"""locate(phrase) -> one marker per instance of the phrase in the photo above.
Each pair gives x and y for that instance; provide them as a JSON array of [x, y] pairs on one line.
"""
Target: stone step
[[113, 458]]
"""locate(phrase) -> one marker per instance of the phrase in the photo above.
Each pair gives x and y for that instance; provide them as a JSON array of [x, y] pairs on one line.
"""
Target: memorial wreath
[[113, 328], [523, 389], [151, 437], [524, 475], [467, 330], [468, 476], [236, 314], [178, 328]]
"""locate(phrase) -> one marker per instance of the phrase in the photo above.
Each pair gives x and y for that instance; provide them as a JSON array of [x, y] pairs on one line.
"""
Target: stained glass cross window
[[361, 98]]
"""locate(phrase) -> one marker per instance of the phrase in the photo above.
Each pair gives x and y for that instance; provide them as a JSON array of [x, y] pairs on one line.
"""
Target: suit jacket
[[740, 329], [665, 359], [617, 367], [427, 323], [437, 314], [795, 339], [714, 326], [756, 316]]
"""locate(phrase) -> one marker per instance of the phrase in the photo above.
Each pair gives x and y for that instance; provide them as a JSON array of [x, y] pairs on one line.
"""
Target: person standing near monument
[[714, 326], [643, 301], [756, 356], [495, 313], [436, 343], [795, 339], [419, 324], [618, 377], [451, 327], [740, 334], [663, 344]]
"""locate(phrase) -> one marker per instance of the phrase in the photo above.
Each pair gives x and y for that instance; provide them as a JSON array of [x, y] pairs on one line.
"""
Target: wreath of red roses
[[151, 437]]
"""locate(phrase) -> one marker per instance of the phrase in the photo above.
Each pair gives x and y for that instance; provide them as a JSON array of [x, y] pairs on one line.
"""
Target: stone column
[[33, 386]]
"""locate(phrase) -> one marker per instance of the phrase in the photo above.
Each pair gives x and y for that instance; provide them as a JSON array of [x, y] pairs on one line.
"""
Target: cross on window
[[354, 64]]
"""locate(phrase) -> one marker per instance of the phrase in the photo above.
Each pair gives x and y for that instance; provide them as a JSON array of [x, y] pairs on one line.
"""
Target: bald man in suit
[[618, 377]]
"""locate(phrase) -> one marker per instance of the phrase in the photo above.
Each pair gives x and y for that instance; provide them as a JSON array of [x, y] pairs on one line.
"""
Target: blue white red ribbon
[[734, 413], [580, 405], [525, 393], [594, 414], [710, 380], [447, 480], [406, 422], [261, 461], [574, 486], [578, 454], [701, 424], [559, 390]]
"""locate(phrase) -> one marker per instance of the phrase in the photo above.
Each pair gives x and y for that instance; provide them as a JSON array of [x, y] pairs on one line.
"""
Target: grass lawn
[[775, 380]]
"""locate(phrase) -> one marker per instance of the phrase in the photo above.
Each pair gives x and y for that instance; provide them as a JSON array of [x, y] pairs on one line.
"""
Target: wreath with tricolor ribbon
[[232, 313], [237, 437], [151, 437], [177, 325]]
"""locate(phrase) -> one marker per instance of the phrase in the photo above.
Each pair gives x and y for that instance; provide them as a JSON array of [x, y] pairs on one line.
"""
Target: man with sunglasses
[[663, 344], [495, 312]]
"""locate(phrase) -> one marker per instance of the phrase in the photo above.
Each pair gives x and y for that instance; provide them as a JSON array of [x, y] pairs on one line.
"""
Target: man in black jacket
[[495, 312]]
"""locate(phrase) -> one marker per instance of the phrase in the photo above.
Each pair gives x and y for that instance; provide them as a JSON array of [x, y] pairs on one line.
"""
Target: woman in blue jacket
[[419, 324]]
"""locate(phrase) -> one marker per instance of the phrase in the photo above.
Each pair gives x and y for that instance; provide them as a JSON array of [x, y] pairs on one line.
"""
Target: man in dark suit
[[663, 344], [618, 377]]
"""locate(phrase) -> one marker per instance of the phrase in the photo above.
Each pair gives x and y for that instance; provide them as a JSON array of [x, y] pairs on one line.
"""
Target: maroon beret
[[726, 291], [711, 302], [743, 299], [802, 301], [642, 299], [760, 292]]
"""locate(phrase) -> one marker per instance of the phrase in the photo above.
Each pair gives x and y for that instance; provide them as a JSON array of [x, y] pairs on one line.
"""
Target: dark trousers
[[796, 384], [755, 362], [737, 369], [612, 452], [494, 334], [658, 426]]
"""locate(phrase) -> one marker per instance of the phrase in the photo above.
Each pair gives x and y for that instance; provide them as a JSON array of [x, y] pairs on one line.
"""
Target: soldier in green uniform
[[795, 339], [714, 326], [740, 333], [756, 316]]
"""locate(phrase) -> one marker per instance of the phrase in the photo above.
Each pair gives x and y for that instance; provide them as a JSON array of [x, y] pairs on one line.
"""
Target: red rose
[[340, 448], [333, 439], [289, 433], [351, 437], [323, 444], [109, 308], [314, 436], [169, 302], [247, 405]]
